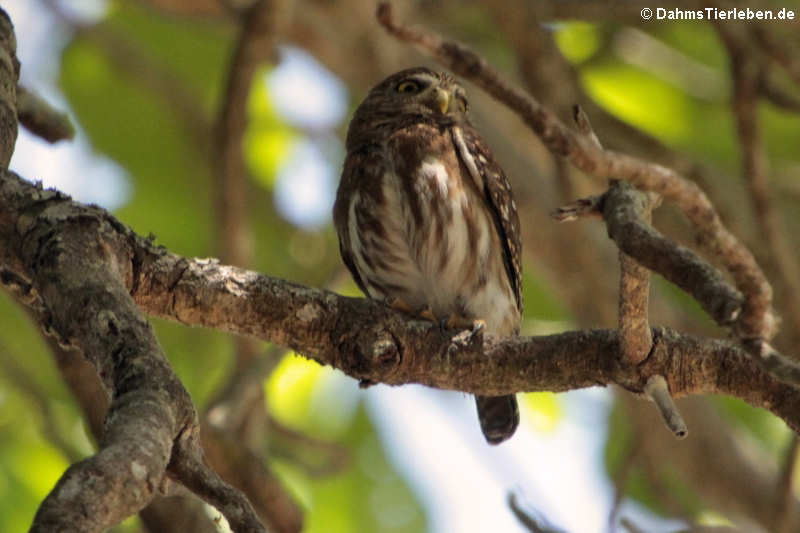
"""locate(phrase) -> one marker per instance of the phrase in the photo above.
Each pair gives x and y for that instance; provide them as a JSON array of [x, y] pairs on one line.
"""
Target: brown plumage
[[426, 218]]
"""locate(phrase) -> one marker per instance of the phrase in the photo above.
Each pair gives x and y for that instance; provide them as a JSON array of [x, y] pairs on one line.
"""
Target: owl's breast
[[434, 212]]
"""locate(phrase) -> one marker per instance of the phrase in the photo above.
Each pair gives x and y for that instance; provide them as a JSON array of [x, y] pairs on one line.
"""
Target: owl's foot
[[461, 322], [398, 304], [427, 314], [471, 328]]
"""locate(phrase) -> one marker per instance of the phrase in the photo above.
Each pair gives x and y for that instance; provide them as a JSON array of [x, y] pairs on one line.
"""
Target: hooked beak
[[443, 99]]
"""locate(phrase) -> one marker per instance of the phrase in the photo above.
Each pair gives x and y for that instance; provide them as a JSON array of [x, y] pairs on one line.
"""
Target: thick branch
[[72, 278], [369, 341]]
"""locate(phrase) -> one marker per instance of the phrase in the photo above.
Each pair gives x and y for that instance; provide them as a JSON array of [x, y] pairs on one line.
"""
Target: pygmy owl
[[425, 216]]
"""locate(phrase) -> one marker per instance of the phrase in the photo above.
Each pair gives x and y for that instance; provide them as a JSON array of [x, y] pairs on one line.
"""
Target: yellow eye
[[408, 87]]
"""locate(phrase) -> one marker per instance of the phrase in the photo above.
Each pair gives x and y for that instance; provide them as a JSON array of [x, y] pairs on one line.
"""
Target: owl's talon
[[470, 329], [462, 322], [427, 314], [398, 304]]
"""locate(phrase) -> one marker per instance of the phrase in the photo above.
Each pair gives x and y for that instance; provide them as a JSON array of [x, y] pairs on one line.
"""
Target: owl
[[426, 219]]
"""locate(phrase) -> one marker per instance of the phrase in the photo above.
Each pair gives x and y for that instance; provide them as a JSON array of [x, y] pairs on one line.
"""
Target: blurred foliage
[[366, 494], [578, 41], [770, 432], [543, 410], [129, 117], [662, 490], [268, 139]]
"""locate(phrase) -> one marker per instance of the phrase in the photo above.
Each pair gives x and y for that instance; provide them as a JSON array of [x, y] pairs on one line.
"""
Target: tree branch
[[634, 281], [72, 281], [369, 341], [9, 74]]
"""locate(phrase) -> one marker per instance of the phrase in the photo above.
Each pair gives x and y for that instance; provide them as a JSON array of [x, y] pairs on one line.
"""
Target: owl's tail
[[499, 417]]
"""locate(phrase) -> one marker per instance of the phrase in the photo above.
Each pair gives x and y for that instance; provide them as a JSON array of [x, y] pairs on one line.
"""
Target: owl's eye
[[408, 87]]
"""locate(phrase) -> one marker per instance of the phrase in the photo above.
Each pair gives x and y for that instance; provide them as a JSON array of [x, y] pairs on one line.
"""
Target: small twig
[[530, 523], [634, 282], [42, 119], [584, 125], [634, 329], [337, 457], [630, 526], [766, 41], [227, 411], [589, 207], [777, 95], [658, 391], [756, 319]]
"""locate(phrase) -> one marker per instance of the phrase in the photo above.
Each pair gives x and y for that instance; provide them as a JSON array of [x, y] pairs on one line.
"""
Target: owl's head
[[413, 94]]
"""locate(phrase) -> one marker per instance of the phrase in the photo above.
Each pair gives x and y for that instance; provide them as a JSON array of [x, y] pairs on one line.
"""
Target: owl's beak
[[443, 98]]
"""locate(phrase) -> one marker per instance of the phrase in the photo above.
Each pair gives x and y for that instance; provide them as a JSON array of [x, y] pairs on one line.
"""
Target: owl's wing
[[358, 173], [500, 199]]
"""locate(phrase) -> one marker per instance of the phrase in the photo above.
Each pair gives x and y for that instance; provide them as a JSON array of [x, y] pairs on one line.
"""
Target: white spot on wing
[[434, 170]]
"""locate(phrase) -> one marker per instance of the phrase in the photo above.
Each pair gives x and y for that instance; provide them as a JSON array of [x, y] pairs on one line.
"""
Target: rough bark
[[369, 341]]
